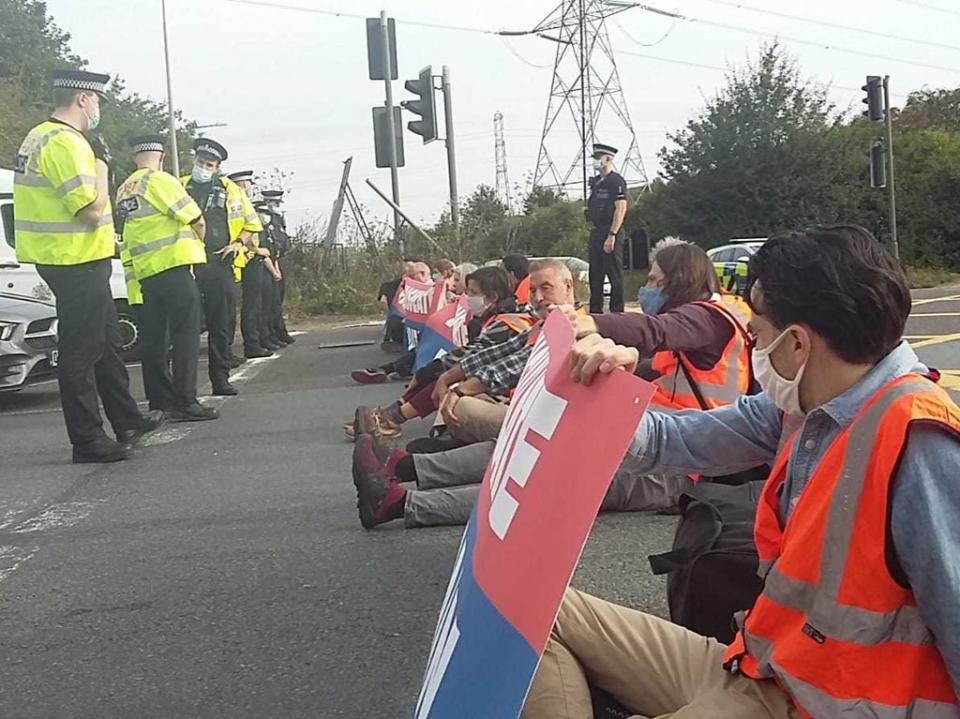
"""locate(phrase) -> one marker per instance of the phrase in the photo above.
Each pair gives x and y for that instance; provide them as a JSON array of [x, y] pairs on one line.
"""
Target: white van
[[24, 280]]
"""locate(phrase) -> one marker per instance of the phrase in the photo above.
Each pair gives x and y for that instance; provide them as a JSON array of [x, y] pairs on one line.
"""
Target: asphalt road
[[223, 572]]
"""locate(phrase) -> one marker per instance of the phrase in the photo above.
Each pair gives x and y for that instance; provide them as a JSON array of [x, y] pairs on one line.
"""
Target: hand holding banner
[[559, 447], [445, 330]]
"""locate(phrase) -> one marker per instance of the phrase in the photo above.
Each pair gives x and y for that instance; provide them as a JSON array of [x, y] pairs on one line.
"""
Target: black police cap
[[146, 143], [81, 80], [211, 148]]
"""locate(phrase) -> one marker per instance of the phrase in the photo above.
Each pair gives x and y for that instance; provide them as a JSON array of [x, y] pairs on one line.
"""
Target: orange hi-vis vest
[[516, 321], [721, 384], [522, 293], [832, 626]]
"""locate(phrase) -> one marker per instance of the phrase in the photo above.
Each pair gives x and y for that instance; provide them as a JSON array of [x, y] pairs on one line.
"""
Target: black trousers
[[89, 346], [236, 291], [606, 264], [278, 326], [252, 308], [268, 295], [171, 309], [215, 280]]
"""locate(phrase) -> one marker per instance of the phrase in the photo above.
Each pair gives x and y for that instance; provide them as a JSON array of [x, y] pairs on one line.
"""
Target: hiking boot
[[194, 413], [371, 421], [288, 339], [149, 422], [101, 451], [372, 375], [379, 499], [236, 362]]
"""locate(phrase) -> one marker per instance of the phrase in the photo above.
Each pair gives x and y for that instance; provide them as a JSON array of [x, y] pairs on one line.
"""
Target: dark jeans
[[403, 365], [393, 329], [215, 280], [89, 346], [252, 307], [606, 264], [171, 308]]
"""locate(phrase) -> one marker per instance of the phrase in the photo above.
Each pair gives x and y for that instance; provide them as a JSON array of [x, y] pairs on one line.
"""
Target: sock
[[406, 470], [395, 510]]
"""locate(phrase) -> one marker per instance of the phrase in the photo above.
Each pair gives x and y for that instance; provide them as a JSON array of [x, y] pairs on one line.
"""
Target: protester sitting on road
[[470, 394], [460, 273], [494, 307], [856, 529], [517, 268], [402, 367], [695, 323]]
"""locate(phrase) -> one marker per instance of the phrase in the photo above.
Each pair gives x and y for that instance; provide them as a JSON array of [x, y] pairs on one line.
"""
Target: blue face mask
[[200, 175], [651, 299]]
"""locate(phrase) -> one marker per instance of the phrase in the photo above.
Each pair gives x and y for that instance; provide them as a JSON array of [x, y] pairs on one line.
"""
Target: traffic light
[[878, 165], [874, 98], [425, 106]]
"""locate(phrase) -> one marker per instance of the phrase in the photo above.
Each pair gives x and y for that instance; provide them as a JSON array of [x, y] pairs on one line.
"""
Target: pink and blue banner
[[554, 459], [416, 301], [445, 330]]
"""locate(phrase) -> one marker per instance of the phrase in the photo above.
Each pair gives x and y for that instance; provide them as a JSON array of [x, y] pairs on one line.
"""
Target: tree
[[926, 109], [751, 162], [541, 197]]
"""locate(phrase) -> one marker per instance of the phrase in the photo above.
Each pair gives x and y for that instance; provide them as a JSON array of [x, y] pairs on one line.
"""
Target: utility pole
[[451, 156], [891, 188], [174, 151], [391, 127]]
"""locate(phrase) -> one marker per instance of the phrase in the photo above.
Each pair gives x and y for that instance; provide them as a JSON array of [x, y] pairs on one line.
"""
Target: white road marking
[[164, 436], [11, 558], [56, 516]]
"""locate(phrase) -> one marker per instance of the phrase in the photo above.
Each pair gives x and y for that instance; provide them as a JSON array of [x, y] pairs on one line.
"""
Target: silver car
[[28, 342]]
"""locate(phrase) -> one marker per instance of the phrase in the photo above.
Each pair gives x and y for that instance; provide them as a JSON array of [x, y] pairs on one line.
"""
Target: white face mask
[[93, 119], [783, 392], [477, 304]]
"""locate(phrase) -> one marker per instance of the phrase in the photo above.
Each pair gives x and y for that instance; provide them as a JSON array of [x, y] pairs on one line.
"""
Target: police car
[[730, 262], [25, 281]]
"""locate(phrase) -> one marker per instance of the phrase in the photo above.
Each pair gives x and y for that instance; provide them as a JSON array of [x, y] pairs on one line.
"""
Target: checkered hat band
[[210, 150], [73, 84], [148, 147]]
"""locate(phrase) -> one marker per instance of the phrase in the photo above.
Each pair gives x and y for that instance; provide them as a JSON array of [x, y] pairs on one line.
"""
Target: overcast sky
[[293, 91]]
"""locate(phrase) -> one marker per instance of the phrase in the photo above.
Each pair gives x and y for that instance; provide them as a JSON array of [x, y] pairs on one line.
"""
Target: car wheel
[[129, 332]]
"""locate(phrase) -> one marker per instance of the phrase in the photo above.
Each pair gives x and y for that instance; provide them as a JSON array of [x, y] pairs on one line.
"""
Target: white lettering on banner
[[533, 408], [458, 326], [444, 639], [416, 301]]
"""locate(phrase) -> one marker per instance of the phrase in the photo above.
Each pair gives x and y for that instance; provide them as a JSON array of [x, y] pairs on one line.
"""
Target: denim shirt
[[925, 506]]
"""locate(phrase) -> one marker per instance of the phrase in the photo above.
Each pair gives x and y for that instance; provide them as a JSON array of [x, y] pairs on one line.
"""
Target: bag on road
[[713, 564]]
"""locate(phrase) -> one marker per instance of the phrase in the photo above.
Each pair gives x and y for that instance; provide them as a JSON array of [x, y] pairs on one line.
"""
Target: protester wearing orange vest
[[696, 349], [518, 272], [857, 528]]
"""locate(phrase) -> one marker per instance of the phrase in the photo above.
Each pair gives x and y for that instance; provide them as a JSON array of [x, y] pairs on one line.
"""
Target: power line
[[634, 40], [799, 41], [835, 26], [929, 6], [355, 16]]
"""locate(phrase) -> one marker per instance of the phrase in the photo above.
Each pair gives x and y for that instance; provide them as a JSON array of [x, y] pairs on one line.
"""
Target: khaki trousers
[[480, 417], [656, 668]]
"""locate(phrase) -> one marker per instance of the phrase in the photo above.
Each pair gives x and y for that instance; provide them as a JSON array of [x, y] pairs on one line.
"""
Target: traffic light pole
[[388, 89], [891, 187], [451, 157]]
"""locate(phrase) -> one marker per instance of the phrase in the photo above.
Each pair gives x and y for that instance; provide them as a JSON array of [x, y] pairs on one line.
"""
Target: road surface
[[223, 572]]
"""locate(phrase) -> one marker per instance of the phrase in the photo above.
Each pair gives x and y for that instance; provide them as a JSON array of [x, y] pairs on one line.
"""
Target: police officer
[[64, 225], [231, 223], [279, 244], [606, 209], [253, 276], [163, 233]]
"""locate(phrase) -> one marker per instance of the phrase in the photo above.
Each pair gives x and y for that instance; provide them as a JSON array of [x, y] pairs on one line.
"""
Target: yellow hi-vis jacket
[[134, 291], [157, 230], [54, 178]]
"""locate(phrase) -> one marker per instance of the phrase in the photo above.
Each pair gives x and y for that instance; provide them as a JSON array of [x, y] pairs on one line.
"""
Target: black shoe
[[194, 413], [236, 362], [288, 339], [224, 390], [279, 343], [432, 445], [151, 420], [101, 451], [255, 352], [271, 346]]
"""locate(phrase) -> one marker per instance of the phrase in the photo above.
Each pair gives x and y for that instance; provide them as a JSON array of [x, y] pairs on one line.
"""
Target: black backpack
[[713, 563]]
